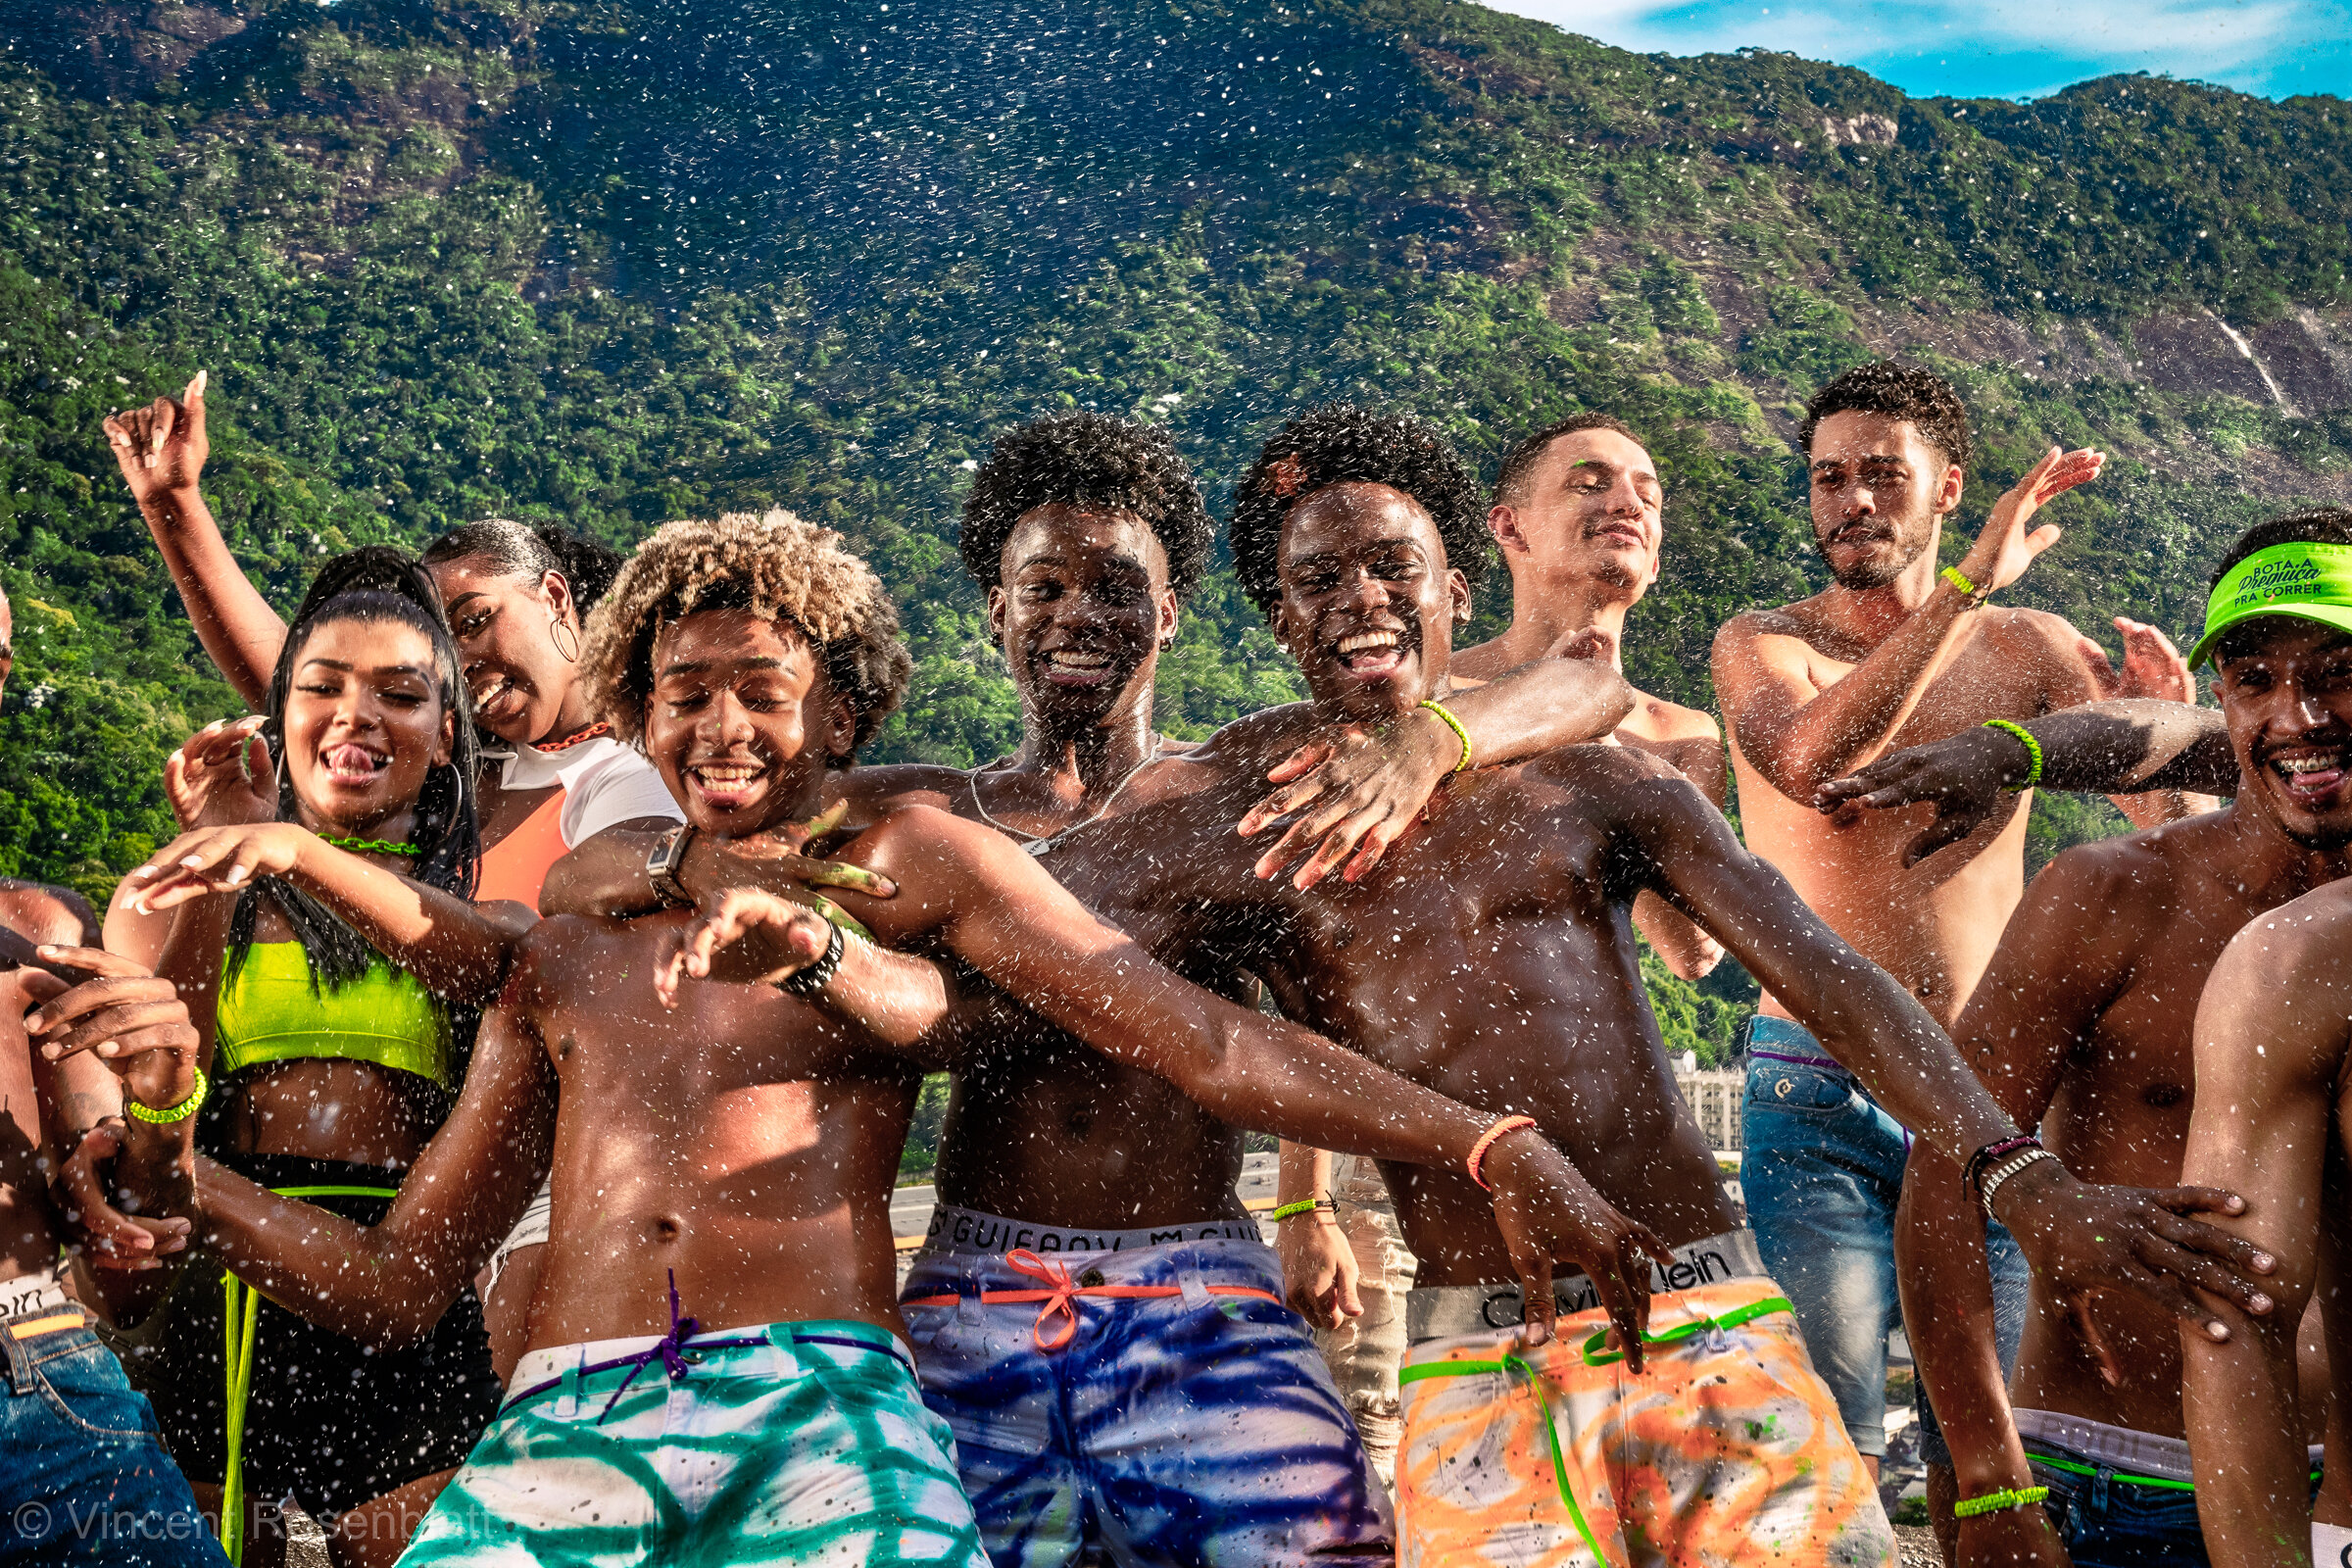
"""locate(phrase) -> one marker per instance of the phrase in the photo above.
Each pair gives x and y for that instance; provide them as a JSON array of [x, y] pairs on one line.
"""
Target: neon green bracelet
[[1304, 1205], [2032, 750], [1454, 724], [170, 1113], [1959, 579], [1999, 1501]]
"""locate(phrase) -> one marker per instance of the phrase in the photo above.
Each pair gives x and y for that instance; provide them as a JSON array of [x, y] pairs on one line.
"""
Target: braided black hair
[[1339, 442], [385, 586], [1093, 461]]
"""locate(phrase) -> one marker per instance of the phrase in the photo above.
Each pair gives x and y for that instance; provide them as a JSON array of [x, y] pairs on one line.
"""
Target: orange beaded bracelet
[[1486, 1140]]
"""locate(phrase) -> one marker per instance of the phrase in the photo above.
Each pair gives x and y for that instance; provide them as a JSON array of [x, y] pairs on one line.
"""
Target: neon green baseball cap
[[2311, 580]]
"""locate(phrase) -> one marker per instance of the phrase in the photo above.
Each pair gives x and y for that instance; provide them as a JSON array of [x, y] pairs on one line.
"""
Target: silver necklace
[[1040, 843]]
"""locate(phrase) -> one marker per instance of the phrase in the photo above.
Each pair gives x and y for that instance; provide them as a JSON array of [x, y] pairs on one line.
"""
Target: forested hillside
[[618, 261]]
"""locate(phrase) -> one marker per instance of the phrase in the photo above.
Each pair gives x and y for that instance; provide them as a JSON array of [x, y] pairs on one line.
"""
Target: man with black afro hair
[[1339, 442], [1893, 652], [1095, 463]]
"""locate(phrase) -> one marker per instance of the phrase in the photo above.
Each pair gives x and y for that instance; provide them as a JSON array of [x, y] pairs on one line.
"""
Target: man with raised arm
[[1489, 954], [1577, 511], [723, 1152], [1890, 654], [84, 1476], [2083, 1026]]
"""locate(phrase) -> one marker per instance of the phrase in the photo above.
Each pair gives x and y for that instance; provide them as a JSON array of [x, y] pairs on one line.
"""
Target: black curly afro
[[1339, 442], [1092, 461]]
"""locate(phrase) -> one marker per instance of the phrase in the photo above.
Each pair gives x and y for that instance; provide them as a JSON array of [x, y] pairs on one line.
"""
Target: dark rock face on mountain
[[630, 259]]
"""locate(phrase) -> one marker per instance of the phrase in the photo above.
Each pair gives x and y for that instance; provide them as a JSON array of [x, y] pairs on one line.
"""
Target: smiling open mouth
[[1072, 667], [2311, 774], [1371, 654], [727, 785]]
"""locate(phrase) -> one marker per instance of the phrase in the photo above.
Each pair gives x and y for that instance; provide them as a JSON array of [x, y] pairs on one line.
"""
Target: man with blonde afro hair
[[720, 1095]]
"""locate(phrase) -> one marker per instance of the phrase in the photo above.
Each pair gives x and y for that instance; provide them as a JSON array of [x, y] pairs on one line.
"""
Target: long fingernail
[[2219, 1333], [2263, 1261], [107, 1048], [236, 874], [2259, 1303]]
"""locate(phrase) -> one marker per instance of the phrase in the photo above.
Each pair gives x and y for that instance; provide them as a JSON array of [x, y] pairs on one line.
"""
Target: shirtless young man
[[736, 1155], [83, 1472], [2082, 1025], [1577, 511], [1518, 989], [1890, 654], [1088, 533]]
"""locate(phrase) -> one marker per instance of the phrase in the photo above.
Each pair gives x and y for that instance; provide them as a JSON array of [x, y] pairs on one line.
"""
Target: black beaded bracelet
[[808, 981]]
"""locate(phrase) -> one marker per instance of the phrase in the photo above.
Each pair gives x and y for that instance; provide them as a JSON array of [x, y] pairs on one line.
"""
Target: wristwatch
[[663, 864]]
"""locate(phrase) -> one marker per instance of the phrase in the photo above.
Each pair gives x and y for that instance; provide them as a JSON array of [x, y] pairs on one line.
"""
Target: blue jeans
[[1821, 1171], [2107, 1522], [83, 1475]]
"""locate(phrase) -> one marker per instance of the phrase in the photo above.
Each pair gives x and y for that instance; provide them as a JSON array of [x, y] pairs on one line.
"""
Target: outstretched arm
[[1799, 734], [2122, 746], [2083, 1238], [457, 948], [161, 450], [2271, 1045]]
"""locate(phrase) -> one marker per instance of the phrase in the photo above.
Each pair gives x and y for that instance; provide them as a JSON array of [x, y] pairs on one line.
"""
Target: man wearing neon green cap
[[2084, 1017]]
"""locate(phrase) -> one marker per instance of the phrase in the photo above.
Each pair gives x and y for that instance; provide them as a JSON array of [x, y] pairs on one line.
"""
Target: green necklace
[[370, 846]]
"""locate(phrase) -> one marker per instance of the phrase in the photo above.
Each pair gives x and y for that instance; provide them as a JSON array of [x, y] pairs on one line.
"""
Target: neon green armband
[[2033, 751], [1999, 1501]]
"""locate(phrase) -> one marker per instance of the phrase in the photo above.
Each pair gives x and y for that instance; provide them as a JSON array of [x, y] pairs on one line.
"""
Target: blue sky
[[1998, 48]]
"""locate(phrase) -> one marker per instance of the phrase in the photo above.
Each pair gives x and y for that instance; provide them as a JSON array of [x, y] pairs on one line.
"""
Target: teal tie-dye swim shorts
[[796, 1443]]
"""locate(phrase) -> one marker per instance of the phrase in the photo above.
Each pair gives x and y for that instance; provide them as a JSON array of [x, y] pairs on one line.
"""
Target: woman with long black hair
[[331, 1064], [516, 596]]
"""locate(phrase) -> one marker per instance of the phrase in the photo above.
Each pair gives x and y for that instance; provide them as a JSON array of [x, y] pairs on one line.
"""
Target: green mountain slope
[[618, 261]]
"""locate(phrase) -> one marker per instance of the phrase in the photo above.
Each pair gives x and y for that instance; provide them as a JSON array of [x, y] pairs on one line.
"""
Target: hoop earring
[[558, 629]]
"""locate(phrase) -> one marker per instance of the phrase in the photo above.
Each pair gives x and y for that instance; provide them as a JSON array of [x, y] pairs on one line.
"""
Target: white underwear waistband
[[1440, 1311], [968, 1230], [2120, 1449]]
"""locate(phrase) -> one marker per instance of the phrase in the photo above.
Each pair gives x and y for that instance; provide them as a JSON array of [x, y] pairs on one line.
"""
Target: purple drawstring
[[670, 1350]]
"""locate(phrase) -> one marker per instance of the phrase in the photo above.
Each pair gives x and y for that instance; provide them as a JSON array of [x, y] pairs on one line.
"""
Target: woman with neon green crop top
[[330, 1065]]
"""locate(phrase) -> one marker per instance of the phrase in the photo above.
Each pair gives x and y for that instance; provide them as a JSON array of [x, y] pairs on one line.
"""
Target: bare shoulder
[[1656, 719], [2132, 878], [42, 913], [565, 952], [2302, 944], [2034, 633], [1776, 620], [872, 792], [1600, 768]]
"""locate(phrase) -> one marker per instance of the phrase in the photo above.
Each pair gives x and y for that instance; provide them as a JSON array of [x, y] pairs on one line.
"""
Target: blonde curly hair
[[774, 565]]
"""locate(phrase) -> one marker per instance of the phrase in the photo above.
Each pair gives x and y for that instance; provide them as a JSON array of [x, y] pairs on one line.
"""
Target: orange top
[[515, 865]]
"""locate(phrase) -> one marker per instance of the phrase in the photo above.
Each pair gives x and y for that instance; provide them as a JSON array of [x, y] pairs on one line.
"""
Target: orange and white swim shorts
[[1725, 1452]]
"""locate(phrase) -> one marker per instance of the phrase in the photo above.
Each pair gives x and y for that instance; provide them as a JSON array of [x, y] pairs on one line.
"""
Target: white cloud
[[2004, 47]]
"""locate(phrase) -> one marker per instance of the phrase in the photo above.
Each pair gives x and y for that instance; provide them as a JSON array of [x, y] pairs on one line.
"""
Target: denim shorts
[[82, 1471], [1822, 1169], [2107, 1522]]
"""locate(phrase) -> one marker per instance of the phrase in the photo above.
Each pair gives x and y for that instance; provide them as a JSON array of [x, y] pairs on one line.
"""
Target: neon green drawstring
[[1514, 1363], [243, 1315]]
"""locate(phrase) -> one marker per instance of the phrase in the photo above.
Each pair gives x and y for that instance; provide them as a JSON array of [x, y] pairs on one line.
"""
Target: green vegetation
[[612, 262]]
